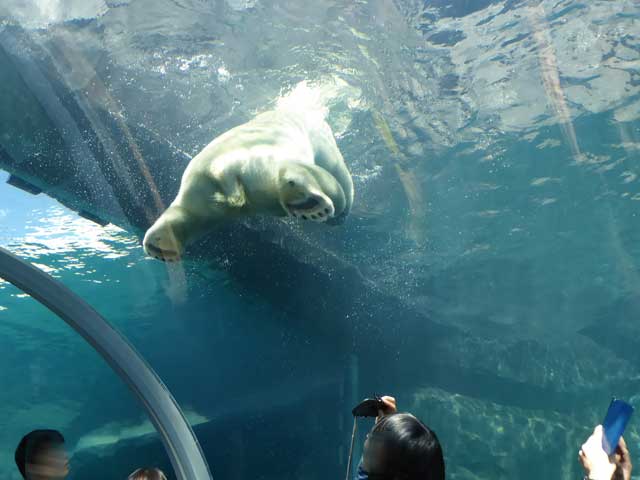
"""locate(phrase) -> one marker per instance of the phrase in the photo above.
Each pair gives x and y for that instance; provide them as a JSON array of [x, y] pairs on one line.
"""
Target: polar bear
[[281, 163]]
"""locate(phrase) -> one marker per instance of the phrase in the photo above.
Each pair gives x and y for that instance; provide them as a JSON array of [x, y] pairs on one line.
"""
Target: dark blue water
[[493, 253]]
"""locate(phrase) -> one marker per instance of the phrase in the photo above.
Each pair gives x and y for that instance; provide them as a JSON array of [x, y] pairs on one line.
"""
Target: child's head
[[147, 474]]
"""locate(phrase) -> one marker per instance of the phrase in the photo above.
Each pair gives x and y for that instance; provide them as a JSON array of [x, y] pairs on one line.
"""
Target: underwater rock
[[483, 440]]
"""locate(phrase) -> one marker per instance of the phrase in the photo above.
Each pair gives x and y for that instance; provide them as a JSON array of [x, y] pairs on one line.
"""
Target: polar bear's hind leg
[[310, 193], [314, 207]]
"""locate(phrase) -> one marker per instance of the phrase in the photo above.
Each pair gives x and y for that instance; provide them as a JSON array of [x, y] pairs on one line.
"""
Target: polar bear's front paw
[[314, 208]]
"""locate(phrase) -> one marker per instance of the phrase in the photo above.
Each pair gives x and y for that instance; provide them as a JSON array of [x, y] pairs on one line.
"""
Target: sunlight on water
[[487, 274]]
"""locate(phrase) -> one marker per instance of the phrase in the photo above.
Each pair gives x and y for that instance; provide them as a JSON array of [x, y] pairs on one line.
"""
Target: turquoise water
[[488, 276]]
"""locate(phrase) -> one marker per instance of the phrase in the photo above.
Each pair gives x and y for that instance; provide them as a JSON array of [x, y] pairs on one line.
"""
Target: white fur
[[280, 163]]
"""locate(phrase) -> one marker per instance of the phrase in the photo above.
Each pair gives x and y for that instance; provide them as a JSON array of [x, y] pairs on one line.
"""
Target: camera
[[369, 407]]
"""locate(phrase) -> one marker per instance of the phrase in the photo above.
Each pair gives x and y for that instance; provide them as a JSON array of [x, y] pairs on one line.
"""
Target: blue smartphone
[[614, 424]]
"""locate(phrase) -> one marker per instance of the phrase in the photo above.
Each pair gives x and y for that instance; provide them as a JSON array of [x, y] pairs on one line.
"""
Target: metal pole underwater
[[177, 436]]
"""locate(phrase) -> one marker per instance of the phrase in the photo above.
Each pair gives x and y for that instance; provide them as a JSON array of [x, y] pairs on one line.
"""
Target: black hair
[[414, 449], [147, 474], [34, 444]]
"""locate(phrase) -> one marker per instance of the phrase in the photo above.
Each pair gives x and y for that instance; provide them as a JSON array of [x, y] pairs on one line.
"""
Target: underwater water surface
[[488, 276]]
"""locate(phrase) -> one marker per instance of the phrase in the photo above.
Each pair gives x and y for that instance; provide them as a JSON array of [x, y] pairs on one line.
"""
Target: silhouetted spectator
[[400, 446], [147, 474], [41, 456]]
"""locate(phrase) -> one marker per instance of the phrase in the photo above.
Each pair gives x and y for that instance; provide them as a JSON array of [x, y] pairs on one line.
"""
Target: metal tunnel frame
[[177, 436]]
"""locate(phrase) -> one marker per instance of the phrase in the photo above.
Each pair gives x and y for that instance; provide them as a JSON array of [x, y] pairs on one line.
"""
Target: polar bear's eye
[[291, 183]]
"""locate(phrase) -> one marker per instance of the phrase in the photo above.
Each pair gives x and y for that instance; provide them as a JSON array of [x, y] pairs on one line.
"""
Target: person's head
[[401, 447], [147, 474], [41, 456]]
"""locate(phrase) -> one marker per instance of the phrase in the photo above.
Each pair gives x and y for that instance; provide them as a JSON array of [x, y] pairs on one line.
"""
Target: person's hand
[[388, 408], [623, 461], [595, 461]]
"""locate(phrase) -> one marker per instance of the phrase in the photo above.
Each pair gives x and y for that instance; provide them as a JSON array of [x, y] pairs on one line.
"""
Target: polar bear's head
[[309, 192], [172, 231]]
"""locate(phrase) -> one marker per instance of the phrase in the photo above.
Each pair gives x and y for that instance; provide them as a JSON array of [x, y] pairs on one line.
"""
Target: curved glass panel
[[50, 376], [167, 418], [487, 274], [161, 409]]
